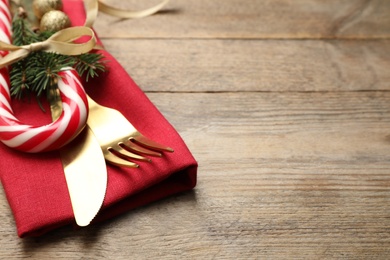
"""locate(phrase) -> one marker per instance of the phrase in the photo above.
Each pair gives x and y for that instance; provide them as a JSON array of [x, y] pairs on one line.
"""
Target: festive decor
[[41, 7], [40, 55], [29, 138], [54, 21]]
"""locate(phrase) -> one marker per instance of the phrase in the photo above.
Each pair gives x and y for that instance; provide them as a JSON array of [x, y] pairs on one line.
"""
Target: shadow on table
[[87, 237]]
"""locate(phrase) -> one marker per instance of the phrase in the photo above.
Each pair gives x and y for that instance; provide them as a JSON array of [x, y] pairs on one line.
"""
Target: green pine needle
[[39, 71], [89, 64]]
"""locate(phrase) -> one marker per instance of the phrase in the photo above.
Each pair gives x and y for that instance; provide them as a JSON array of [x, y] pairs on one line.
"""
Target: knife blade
[[85, 170], [86, 176]]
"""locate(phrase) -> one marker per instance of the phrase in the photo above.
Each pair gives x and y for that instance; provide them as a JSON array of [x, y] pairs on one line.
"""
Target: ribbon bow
[[61, 42]]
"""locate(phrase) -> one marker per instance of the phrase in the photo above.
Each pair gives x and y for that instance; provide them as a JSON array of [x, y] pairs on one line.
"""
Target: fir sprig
[[22, 34], [39, 71], [88, 65]]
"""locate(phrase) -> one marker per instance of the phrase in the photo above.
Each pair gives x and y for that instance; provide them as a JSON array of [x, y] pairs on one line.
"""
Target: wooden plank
[[253, 65], [282, 175], [253, 19], [304, 130]]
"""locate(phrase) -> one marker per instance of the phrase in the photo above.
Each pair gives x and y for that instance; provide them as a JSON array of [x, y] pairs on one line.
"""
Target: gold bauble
[[54, 21], [41, 7]]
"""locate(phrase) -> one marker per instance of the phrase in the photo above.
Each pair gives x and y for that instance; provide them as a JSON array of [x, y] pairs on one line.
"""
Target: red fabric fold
[[35, 184]]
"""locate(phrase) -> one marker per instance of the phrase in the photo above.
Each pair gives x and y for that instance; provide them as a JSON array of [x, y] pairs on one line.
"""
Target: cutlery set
[[107, 137]]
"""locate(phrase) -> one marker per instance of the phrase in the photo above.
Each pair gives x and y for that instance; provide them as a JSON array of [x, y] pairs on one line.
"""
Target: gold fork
[[120, 141]]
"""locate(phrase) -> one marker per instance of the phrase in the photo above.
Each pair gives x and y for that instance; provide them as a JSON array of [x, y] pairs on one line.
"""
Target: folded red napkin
[[35, 184]]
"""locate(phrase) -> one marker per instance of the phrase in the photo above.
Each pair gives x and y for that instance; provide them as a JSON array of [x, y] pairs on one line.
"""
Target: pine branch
[[45, 68], [19, 81], [89, 64], [21, 32], [39, 71]]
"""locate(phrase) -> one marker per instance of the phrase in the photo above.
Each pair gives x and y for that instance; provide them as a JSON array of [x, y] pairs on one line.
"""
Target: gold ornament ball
[[54, 21], [41, 7]]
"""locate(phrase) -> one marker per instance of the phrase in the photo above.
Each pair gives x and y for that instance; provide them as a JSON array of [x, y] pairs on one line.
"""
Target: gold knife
[[85, 170]]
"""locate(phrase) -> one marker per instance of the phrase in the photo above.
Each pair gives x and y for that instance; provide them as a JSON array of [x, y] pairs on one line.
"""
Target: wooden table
[[286, 107]]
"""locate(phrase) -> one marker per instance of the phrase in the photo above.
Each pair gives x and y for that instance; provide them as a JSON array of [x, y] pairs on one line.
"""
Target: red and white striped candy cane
[[30, 138]]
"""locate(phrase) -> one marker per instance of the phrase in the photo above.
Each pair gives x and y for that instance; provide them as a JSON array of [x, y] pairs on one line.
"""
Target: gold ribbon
[[61, 42], [92, 8]]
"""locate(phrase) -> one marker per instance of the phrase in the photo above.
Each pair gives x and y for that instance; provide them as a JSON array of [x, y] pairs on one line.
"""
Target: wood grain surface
[[255, 65], [254, 19], [286, 107]]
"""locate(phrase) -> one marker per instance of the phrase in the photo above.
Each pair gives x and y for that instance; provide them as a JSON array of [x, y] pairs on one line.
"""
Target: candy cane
[[30, 138]]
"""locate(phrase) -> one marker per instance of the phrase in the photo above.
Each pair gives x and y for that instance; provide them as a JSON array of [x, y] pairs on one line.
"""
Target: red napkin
[[35, 184]]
